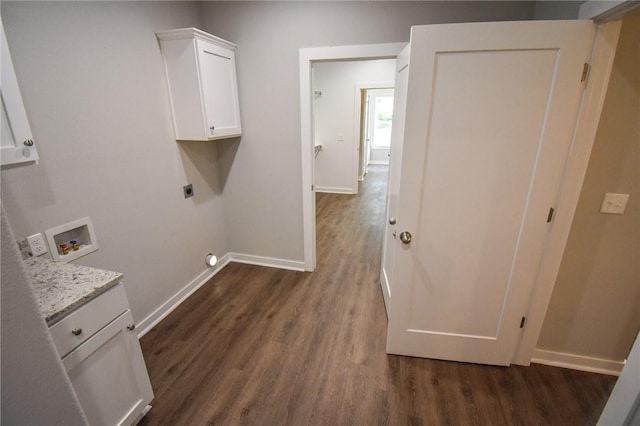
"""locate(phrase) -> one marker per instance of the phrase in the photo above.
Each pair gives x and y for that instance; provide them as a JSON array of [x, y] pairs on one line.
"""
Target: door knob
[[392, 220], [405, 237]]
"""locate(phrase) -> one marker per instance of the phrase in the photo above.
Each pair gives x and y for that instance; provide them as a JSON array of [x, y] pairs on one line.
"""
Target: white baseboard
[[332, 190], [170, 305], [167, 307], [577, 362], [266, 261], [379, 163]]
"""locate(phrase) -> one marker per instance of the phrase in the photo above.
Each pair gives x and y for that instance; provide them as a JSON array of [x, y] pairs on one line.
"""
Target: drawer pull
[[76, 331], [131, 327]]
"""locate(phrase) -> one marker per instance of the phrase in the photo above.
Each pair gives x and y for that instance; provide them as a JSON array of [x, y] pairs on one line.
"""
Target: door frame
[[307, 56], [600, 63]]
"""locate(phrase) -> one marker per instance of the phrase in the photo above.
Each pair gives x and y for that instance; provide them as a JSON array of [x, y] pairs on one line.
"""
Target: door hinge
[[550, 215], [312, 187], [522, 321], [585, 72]]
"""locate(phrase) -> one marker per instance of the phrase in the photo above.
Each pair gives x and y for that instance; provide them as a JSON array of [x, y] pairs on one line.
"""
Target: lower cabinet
[[107, 369]]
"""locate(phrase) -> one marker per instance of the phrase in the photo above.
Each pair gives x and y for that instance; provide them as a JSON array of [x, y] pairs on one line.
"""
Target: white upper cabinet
[[201, 75], [16, 143]]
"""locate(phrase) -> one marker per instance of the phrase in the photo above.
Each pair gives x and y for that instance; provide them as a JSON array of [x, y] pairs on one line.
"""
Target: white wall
[[92, 79], [266, 174], [35, 387], [335, 116]]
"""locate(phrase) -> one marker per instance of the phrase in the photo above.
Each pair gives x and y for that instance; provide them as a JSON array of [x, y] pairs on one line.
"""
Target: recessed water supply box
[[72, 240]]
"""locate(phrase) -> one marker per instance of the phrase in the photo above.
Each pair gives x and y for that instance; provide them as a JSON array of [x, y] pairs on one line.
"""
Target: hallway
[[263, 346]]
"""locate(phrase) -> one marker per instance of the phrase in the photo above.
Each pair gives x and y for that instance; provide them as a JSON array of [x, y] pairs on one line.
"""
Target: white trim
[[379, 163], [306, 58], [603, 11], [577, 362], [334, 190], [603, 53], [270, 262], [167, 307]]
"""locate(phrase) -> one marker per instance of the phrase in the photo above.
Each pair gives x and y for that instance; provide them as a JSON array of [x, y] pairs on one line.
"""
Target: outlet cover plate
[[188, 191], [37, 245]]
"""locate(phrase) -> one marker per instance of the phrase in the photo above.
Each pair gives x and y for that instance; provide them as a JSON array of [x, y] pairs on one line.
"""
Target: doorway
[[339, 111], [375, 125], [309, 57]]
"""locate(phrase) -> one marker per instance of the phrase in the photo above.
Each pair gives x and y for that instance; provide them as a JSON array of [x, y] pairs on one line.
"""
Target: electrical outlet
[[188, 191], [37, 244]]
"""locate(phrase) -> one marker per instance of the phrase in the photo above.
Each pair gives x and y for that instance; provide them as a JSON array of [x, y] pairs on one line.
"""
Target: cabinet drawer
[[88, 319]]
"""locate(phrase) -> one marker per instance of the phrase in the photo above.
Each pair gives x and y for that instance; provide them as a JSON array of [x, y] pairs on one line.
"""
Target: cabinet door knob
[[76, 331], [28, 142], [212, 128], [131, 327]]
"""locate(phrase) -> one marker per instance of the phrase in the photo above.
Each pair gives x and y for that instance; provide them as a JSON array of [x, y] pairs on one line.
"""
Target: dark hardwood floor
[[262, 346]]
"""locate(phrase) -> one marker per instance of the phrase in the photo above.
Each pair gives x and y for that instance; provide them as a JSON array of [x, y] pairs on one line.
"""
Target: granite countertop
[[62, 287]]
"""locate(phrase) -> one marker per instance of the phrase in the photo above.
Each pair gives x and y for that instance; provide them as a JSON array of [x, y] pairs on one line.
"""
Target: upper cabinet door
[[17, 145], [201, 76], [219, 89]]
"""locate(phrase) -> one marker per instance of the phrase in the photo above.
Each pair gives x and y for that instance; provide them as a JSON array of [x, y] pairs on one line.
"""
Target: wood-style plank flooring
[[262, 346]]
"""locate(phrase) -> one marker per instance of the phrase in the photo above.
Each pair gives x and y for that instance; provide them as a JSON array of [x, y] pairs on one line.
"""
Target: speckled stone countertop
[[62, 287]]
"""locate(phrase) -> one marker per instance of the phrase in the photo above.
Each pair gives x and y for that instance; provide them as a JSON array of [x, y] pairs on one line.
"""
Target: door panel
[[490, 114], [493, 168]]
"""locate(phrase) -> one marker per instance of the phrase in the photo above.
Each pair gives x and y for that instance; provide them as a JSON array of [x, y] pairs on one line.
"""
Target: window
[[383, 113]]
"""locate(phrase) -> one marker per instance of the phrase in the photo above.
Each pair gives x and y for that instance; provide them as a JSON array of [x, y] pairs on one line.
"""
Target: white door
[[490, 114], [397, 132], [366, 139]]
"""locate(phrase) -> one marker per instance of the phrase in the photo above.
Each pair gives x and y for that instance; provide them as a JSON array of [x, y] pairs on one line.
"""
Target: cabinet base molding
[[144, 413]]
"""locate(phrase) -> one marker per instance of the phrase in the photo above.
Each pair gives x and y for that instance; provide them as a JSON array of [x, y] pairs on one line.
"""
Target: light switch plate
[[614, 203]]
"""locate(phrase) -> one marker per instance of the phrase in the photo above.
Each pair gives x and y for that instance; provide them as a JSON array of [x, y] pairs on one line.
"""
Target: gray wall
[[35, 387], [92, 79], [595, 307], [556, 10], [263, 199]]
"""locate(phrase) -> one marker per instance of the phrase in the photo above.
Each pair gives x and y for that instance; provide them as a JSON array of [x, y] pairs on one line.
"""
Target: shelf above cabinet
[[201, 77]]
